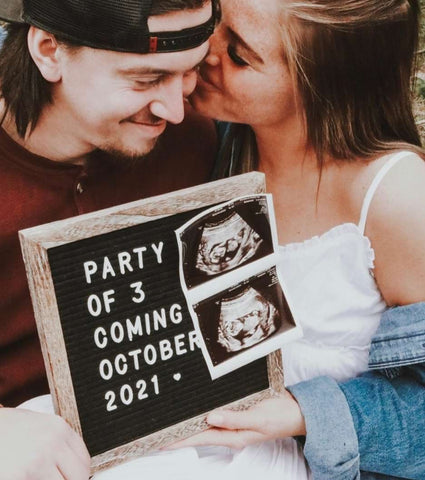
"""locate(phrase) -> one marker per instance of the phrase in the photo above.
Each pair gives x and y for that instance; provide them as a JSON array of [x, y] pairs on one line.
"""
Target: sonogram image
[[233, 321], [225, 238], [226, 244], [245, 320]]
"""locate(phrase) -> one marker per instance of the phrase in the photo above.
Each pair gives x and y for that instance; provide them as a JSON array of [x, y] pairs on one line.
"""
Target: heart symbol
[[177, 376]]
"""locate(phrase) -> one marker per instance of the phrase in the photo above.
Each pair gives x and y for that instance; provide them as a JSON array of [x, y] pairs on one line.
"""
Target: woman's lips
[[204, 80]]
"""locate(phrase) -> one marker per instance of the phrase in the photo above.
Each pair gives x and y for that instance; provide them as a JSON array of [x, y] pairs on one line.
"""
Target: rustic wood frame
[[35, 243]]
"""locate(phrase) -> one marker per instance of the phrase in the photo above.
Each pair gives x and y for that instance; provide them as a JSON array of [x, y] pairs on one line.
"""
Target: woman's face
[[244, 78]]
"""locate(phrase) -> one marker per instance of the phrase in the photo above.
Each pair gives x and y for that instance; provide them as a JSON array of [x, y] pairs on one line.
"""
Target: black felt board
[[179, 398]]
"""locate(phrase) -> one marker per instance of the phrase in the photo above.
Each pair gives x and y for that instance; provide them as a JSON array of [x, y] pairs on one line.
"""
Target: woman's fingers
[[220, 437], [233, 420], [277, 417], [273, 418]]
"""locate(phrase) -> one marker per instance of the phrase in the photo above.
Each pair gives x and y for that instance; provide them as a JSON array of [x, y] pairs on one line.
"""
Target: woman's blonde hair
[[352, 63]]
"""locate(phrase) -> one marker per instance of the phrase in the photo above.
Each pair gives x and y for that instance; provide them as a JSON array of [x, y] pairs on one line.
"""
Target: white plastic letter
[[100, 342], [121, 364], [124, 259], [176, 314], [105, 369], [90, 268], [94, 305], [165, 350], [137, 287], [108, 299], [158, 251], [139, 252]]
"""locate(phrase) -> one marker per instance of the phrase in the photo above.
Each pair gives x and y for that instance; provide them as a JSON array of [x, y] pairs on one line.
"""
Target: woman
[[318, 92]]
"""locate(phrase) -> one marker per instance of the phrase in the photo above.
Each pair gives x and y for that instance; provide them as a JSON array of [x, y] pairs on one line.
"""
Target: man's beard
[[122, 158]]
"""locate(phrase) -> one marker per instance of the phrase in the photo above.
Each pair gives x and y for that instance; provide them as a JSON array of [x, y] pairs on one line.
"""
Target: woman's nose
[[213, 57]]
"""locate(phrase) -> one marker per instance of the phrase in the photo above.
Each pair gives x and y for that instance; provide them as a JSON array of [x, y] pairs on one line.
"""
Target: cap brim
[[11, 10]]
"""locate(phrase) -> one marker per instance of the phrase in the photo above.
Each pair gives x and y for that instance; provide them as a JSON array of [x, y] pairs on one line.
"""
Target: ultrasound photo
[[246, 319], [226, 244], [246, 316], [225, 239]]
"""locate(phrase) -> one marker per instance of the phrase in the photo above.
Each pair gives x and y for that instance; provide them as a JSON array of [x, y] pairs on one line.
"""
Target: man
[[87, 87]]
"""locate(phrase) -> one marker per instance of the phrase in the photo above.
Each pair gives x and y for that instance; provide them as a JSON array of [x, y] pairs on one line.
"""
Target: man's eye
[[189, 73], [236, 59], [144, 84]]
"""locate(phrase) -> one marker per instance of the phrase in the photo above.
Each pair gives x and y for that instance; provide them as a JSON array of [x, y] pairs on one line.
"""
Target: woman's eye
[[236, 59]]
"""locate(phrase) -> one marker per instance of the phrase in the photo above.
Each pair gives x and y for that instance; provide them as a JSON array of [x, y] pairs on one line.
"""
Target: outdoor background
[[420, 80]]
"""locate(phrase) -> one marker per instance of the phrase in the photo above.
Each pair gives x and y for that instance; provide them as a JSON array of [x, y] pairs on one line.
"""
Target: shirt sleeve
[[331, 446], [389, 418], [371, 423]]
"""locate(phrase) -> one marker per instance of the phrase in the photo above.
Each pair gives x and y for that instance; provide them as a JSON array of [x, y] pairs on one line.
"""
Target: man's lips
[[151, 128], [160, 123]]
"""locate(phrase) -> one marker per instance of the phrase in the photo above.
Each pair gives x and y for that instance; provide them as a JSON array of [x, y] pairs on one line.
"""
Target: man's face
[[121, 102]]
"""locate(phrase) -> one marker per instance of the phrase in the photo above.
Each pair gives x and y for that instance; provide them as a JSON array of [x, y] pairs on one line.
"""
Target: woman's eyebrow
[[245, 45]]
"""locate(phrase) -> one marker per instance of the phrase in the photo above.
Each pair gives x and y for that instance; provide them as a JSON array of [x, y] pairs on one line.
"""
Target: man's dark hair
[[23, 89]]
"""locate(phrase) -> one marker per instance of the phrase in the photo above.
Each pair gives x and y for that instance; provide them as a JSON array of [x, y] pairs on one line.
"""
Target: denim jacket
[[374, 422]]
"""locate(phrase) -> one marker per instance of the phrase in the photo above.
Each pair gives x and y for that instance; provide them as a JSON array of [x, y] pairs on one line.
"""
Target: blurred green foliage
[[419, 105], [422, 2]]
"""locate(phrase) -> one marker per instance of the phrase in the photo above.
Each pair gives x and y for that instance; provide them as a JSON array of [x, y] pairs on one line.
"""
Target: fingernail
[[215, 419]]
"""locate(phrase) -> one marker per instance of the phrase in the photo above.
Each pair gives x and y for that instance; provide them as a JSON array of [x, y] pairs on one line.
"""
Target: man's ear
[[43, 48]]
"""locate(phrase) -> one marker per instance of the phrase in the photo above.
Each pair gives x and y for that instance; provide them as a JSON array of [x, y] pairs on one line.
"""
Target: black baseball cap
[[120, 25]]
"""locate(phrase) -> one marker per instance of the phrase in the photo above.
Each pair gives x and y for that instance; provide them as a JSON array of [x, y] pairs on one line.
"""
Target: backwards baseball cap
[[120, 25]]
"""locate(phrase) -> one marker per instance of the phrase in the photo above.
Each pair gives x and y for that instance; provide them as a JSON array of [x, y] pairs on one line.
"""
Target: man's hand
[[38, 446], [273, 418]]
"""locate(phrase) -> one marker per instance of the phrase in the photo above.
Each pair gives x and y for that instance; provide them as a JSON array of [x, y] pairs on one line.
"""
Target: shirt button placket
[[79, 198]]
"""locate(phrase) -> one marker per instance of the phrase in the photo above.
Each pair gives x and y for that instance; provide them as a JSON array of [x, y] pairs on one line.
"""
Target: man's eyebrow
[[155, 71], [143, 71], [247, 47]]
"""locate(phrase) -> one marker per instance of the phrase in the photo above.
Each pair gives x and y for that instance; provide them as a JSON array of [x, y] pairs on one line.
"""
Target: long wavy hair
[[352, 63]]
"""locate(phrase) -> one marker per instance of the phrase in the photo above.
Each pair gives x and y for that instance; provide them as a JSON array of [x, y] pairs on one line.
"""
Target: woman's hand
[[40, 446], [273, 418]]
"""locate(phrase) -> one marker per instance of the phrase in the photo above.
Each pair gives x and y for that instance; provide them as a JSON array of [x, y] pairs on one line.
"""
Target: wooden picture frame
[[38, 241]]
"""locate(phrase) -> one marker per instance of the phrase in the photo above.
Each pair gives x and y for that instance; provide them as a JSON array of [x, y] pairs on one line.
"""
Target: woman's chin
[[211, 106], [203, 103]]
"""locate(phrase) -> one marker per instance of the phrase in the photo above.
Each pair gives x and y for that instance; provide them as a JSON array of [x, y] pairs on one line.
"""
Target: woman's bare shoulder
[[396, 227]]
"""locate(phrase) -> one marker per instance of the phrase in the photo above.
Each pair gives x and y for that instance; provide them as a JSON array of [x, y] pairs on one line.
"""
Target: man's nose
[[169, 103]]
